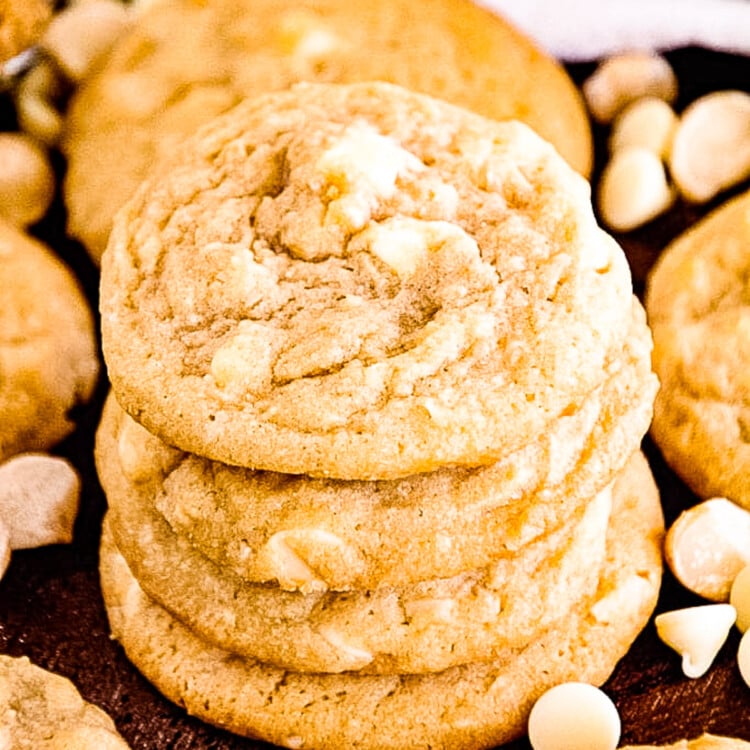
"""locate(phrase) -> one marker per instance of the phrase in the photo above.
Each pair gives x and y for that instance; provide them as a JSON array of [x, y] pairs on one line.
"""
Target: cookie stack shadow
[[428, 601]]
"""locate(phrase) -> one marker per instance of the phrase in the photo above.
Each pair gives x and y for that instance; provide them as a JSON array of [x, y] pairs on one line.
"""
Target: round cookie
[[423, 627], [185, 62], [696, 300], [40, 710], [48, 351], [359, 282], [313, 534], [471, 707]]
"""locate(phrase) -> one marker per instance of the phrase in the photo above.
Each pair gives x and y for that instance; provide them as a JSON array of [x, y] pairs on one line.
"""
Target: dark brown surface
[[50, 604]]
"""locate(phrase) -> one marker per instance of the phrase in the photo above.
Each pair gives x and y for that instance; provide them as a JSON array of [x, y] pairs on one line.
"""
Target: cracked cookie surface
[[359, 282], [158, 85], [698, 306]]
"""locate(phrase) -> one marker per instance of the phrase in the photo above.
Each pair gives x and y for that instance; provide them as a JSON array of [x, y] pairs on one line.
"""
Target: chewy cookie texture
[[157, 86], [696, 298], [344, 312], [360, 282]]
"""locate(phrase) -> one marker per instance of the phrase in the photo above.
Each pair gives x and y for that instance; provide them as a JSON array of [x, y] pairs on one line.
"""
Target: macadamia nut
[[623, 78], [648, 123], [708, 545], [633, 189], [574, 715], [711, 145]]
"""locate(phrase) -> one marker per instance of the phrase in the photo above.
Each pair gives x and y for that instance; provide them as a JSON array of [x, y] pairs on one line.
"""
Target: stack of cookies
[[372, 454]]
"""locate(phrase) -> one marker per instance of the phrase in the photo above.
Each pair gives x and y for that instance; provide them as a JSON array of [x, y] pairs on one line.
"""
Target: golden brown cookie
[[697, 304], [475, 706], [423, 627], [360, 282], [41, 710], [316, 533], [48, 351], [185, 62]]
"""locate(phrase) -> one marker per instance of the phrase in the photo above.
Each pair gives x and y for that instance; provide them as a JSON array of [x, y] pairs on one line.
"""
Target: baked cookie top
[[48, 352], [472, 707], [186, 61], [41, 710], [359, 282], [697, 304], [313, 534], [22, 23]]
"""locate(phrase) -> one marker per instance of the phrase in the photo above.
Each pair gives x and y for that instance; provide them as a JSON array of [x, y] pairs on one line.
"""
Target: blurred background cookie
[[156, 86], [48, 349]]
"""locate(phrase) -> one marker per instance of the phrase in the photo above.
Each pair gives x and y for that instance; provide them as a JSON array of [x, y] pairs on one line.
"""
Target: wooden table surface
[[50, 603]]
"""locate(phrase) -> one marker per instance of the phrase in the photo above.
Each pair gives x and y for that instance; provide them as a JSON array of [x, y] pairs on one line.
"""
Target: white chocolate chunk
[[280, 560], [739, 598], [708, 545], [696, 633], [305, 35], [39, 496], [711, 145], [633, 189], [356, 657], [648, 123], [244, 362], [574, 715]]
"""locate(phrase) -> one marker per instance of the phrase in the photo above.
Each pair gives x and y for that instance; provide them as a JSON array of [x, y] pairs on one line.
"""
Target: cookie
[[475, 706], [40, 710], [426, 626], [185, 62], [48, 351], [315, 534], [696, 301], [359, 282]]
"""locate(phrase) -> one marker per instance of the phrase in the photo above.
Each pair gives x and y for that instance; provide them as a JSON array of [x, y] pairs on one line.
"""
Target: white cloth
[[580, 30]]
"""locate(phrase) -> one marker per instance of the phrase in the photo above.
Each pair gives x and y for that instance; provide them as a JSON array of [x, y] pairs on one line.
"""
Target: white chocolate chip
[[708, 545], [356, 657], [78, 35], [649, 123], [623, 78], [633, 189], [743, 657], [711, 145], [39, 497], [696, 633], [574, 715], [739, 598], [27, 181]]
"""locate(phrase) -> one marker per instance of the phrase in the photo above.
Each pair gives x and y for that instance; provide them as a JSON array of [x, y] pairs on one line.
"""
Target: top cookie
[[359, 282], [697, 303], [185, 62], [48, 353]]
